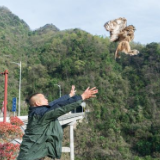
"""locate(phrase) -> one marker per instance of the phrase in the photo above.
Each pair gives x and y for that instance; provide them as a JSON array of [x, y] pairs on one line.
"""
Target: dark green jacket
[[43, 136]]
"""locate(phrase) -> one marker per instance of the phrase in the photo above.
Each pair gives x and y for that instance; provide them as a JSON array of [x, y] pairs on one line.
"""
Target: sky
[[90, 15]]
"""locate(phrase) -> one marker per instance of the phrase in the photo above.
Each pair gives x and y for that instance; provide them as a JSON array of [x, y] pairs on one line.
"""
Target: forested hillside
[[123, 123]]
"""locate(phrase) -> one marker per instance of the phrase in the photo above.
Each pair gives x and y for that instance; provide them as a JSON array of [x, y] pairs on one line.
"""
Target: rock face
[[49, 27]]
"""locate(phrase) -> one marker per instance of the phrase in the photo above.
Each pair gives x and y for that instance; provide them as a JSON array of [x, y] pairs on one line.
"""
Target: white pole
[[19, 64], [59, 90], [59, 86], [19, 110], [72, 141], [16, 106]]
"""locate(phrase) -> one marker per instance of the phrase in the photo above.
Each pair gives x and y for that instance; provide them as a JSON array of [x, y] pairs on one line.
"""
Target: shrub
[[9, 151], [9, 131], [16, 121]]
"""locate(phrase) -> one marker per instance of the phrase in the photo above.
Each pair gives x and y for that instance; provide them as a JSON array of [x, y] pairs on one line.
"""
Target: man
[[43, 135]]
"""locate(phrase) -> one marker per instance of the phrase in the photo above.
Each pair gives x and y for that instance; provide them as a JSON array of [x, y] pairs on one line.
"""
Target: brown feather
[[120, 32], [124, 46]]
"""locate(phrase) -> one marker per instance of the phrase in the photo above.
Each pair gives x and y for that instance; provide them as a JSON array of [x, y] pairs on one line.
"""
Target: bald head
[[38, 100]]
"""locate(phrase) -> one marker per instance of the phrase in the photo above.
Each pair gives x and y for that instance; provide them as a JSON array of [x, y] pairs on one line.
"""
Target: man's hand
[[89, 93], [73, 91]]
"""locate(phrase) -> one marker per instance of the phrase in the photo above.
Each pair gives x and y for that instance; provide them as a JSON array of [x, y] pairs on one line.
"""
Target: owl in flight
[[120, 32]]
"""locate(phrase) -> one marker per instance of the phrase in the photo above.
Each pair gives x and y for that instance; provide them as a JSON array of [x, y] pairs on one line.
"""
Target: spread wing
[[127, 34], [115, 28]]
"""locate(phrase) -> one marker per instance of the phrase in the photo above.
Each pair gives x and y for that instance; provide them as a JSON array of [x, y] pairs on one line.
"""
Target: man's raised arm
[[69, 104], [63, 98]]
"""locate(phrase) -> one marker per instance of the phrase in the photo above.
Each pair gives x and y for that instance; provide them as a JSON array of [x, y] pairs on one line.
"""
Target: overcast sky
[[90, 15]]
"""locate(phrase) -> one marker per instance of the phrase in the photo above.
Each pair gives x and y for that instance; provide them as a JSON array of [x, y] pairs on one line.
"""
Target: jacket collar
[[32, 107]]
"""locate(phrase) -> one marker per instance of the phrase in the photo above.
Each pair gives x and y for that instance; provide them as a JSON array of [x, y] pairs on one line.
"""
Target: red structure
[[5, 73]]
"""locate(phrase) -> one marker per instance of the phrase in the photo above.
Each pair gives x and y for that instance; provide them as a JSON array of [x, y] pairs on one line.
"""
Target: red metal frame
[[5, 94]]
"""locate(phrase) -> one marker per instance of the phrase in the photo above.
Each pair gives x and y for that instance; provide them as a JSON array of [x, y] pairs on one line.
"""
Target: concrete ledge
[[16, 141], [66, 149], [23, 118], [65, 119]]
